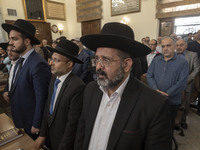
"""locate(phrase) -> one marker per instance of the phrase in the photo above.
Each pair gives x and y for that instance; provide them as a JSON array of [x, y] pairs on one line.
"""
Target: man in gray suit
[[193, 62]]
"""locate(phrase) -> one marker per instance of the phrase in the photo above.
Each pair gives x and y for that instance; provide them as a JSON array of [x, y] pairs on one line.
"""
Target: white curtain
[[2, 33]]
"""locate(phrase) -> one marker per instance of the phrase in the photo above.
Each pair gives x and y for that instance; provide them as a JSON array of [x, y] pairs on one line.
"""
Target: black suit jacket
[[141, 122], [60, 128]]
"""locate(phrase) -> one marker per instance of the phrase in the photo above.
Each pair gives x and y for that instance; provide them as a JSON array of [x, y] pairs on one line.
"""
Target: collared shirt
[[182, 54], [159, 48], [27, 55], [169, 76], [62, 79], [13, 63], [150, 57], [105, 118]]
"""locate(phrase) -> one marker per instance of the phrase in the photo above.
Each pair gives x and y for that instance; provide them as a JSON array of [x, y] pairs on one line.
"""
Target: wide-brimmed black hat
[[68, 49], [23, 27], [4, 46], [116, 35]]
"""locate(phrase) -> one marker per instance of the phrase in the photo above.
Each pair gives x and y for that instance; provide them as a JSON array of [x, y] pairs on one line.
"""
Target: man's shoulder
[[84, 54], [74, 80], [92, 85], [190, 53], [193, 44], [147, 94]]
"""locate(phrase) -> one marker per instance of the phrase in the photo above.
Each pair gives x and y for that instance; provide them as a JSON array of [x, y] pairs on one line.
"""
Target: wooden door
[[43, 30], [91, 27]]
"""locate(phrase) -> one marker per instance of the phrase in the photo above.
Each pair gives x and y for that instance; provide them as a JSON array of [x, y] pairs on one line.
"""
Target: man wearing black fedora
[[119, 112], [31, 76], [64, 104]]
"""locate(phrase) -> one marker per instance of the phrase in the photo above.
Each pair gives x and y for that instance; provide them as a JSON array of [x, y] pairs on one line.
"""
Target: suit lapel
[[64, 86], [94, 107], [126, 107]]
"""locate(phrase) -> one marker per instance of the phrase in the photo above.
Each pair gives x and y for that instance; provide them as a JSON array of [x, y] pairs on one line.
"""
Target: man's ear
[[27, 41], [128, 62]]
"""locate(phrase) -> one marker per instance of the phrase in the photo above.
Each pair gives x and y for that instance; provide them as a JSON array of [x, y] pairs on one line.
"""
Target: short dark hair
[[25, 37]]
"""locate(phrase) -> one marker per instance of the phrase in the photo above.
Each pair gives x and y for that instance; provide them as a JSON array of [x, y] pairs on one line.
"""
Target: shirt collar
[[25, 56], [14, 61], [174, 57], [120, 89], [63, 77]]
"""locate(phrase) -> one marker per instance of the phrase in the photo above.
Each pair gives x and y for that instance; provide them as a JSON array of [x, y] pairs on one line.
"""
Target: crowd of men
[[54, 99]]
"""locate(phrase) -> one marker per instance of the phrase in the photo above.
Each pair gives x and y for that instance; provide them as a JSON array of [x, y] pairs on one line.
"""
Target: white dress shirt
[[105, 118], [150, 57], [13, 63], [62, 79]]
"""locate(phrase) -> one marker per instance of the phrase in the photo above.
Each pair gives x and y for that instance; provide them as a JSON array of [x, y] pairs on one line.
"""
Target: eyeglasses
[[55, 60], [105, 62]]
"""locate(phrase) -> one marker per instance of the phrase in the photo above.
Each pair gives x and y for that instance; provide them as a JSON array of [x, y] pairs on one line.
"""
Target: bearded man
[[119, 112], [30, 80]]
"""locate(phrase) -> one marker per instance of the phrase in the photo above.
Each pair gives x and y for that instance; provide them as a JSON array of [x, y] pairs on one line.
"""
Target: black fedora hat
[[23, 27], [4, 46], [68, 49], [116, 35]]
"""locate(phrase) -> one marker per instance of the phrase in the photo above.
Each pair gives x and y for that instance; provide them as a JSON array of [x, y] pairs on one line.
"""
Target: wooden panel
[[89, 5], [43, 30], [88, 10], [91, 27]]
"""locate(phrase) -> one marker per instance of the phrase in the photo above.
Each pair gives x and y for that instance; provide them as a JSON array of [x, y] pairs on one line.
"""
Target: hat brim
[[9, 27], [134, 48], [4, 46], [56, 50]]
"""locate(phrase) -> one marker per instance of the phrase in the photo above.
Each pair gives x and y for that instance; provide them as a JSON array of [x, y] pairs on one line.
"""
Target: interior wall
[[143, 23]]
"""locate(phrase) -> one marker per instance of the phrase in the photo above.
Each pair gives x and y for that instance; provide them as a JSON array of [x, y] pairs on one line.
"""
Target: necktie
[[57, 81], [16, 72]]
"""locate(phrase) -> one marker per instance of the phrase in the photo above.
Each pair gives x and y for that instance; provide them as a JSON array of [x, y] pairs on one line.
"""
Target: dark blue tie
[[16, 72], [57, 81]]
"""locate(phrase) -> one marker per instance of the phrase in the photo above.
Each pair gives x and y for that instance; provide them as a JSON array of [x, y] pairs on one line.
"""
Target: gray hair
[[168, 37]]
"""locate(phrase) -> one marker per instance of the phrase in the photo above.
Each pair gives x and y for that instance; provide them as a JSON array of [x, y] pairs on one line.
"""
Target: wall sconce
[[60, 28], [125, 20]]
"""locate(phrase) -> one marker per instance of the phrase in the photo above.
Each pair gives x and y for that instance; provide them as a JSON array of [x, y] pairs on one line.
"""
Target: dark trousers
[[185, 105], [173, 113]]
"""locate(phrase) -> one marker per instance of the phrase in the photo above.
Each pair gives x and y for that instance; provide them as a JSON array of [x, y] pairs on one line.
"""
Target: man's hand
[[163, 93], [35, 130], [39, 142], [6, 97]]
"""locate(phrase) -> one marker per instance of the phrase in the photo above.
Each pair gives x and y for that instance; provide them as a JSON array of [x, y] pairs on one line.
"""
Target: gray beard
[[111, 83]]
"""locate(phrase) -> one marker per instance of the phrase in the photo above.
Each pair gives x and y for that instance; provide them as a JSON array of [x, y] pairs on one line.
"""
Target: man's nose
[[99, 65]]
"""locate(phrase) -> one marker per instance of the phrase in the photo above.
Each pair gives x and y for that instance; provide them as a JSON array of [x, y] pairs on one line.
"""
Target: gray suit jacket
[[192, 59]]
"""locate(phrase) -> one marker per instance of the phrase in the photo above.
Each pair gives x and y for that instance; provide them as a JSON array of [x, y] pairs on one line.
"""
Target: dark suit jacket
[[141, 123], [29, 93], [192, 59], [60, 128], [81, 70]]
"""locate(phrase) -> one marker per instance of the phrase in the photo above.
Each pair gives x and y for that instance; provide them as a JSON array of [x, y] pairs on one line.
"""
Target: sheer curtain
[[2, 33]]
